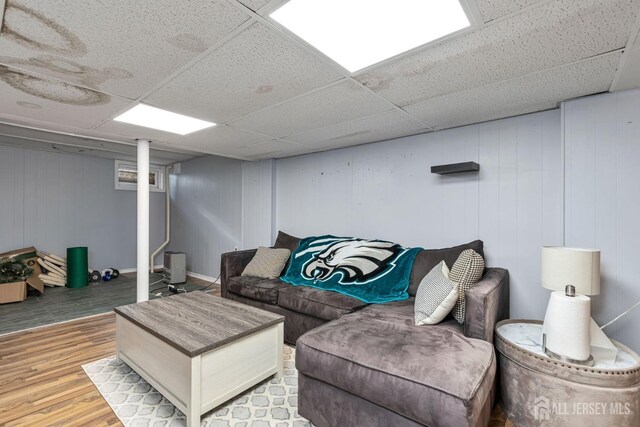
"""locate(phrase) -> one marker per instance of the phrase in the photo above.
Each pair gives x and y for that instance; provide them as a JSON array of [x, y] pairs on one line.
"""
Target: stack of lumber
[[55, 269]]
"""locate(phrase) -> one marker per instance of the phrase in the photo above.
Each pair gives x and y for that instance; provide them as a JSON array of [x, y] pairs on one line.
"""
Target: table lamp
[[572, 273]]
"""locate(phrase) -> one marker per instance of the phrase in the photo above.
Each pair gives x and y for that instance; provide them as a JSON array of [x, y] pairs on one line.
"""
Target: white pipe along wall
[[142, 283], [167, 216]]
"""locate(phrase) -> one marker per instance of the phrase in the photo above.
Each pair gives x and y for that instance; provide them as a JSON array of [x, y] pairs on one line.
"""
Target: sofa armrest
[[232, 264], [487, 302]]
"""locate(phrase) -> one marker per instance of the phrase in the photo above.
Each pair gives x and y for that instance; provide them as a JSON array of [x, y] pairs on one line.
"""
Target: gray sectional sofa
[[365, 364]]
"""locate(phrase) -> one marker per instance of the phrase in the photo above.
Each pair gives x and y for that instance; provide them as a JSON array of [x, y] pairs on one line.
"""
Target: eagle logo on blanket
[[356, 259], [370, 270]]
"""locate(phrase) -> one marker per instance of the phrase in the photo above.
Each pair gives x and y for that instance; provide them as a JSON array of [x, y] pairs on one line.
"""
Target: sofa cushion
[[429, 258], [318, 303], [402, 313], [286, 241], [421, 373], [256, 288]]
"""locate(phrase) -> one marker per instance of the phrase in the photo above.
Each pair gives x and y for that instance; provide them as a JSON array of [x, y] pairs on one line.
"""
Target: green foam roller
[[77, 267]]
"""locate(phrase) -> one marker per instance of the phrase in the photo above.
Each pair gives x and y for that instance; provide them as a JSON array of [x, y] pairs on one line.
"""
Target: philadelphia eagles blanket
[[373, 271]]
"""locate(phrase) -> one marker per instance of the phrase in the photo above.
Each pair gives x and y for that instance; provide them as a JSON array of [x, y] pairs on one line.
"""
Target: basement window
[[126, 176]]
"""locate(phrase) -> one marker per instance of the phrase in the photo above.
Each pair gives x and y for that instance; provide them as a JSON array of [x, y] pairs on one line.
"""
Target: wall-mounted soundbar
[[455, 168]]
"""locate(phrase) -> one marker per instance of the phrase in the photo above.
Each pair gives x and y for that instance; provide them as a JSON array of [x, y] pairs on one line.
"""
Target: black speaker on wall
[[455, 168]]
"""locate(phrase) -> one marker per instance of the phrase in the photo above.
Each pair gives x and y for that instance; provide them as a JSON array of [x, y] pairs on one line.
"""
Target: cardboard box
[[30, 257], [13, 292]]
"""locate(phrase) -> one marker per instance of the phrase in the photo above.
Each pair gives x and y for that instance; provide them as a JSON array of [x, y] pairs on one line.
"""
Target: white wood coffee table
[[199, 350]]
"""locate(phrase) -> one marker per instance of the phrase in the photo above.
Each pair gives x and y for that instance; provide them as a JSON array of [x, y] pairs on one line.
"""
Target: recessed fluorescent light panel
[[155, 118], [359, 33]]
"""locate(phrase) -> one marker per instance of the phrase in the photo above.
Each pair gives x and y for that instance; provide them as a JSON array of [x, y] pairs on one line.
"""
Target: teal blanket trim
[[373, 271]]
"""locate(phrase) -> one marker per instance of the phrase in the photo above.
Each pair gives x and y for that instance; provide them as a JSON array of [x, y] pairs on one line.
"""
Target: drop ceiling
[[70, 67]]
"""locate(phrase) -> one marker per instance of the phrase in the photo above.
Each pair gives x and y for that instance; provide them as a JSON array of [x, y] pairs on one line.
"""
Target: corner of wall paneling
[[563, 168], [274, 232]]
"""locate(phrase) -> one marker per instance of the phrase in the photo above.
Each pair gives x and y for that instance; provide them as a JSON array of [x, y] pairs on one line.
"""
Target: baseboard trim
[[203, 277], [135, 270]]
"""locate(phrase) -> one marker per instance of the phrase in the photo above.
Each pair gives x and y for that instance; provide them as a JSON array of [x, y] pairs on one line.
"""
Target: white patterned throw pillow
[[436, 296], [466, 271], [267, 263]]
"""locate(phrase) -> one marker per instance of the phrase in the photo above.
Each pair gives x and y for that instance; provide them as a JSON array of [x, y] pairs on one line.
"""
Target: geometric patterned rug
[[272, 403]]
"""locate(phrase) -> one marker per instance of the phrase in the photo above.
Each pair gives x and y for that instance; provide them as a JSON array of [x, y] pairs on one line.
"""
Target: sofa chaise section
[[432, 375]]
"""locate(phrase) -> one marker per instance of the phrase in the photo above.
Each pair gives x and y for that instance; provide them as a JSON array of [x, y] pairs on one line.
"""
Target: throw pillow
[[436, 296], [267, 263], [466, 271]]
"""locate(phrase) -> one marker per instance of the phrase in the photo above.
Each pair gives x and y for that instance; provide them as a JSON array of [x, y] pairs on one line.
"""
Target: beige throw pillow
[[267, 263], [466, 271]]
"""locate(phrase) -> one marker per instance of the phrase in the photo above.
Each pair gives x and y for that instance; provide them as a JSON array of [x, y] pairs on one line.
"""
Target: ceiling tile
[[553, 34], [254, 5], [335, 104], [629, 72], [222, 138], [211, 140], [48, 100], [272, 149], [254, 70], [60, 143], [492, 9], [539, 91], [392, 124], [121, 47]]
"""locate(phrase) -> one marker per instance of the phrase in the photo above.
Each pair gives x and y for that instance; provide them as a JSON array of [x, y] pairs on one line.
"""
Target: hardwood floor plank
[[42, 381]]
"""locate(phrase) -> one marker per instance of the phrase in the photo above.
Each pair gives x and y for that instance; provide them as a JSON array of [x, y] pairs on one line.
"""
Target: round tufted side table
[[539, 391]]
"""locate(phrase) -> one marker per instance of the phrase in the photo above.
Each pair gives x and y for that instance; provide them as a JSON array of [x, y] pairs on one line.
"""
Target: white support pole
[[143, 221]]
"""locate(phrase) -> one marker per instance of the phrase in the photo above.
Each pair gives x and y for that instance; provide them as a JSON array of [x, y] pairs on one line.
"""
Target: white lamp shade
[[571, 266]]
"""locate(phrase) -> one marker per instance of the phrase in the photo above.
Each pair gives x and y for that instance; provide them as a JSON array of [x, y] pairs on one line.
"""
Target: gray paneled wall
[[258, 196], [516, 204], [385, 190], [206, 215], [602, 139], [53, 201]]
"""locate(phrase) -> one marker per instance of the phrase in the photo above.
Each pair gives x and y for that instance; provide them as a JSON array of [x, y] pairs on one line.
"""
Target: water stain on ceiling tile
[[51, 89], [31, 105], [378, 83], [263, 89], [65, 68], [33, 30], [188, 42], [350, 135]]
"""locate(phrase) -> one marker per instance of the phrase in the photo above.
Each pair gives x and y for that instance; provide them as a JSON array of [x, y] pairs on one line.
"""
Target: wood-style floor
[[42, 382]]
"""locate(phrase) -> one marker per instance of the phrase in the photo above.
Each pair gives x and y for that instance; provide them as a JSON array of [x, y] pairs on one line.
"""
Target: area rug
[[273, 403]]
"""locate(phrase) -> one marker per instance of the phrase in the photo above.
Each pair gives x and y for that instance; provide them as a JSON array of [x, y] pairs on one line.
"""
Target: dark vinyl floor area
[[61, 304]]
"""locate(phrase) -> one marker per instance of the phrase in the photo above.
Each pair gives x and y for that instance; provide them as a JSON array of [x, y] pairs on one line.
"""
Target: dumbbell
[[95, 276]]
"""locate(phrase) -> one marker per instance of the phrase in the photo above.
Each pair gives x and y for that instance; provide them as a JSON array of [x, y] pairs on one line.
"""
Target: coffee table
[[199, 350]]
